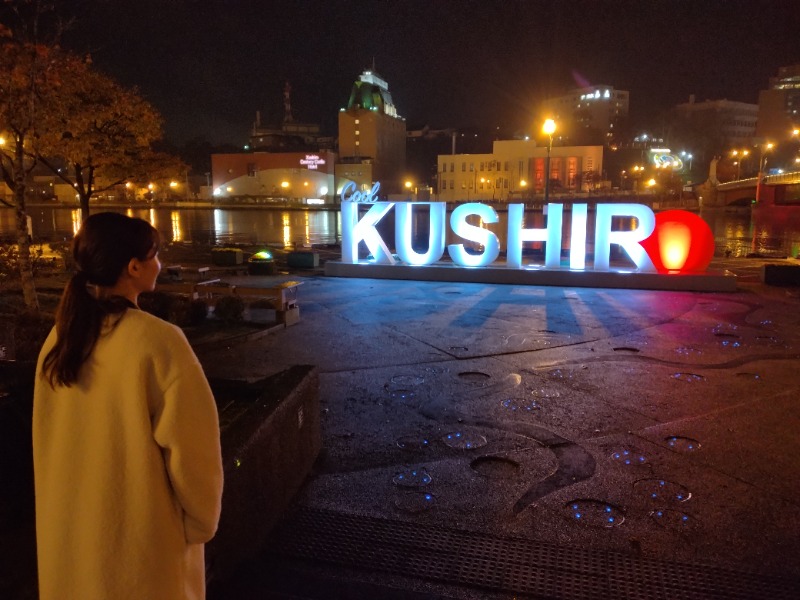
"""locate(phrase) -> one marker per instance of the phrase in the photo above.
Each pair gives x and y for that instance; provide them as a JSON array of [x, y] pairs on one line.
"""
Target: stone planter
[[226, 257]]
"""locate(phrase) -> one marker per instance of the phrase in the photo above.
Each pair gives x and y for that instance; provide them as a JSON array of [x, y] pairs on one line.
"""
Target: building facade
[[294, 177], [372, 136], [515, 170], [734, 122], [593, 111], [779, 106]]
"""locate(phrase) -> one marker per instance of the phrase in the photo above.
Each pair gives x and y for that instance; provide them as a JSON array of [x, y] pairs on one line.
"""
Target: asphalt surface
[[652, 425]]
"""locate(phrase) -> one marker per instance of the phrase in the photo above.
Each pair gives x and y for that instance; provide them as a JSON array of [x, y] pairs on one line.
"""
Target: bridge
[[776, 190]]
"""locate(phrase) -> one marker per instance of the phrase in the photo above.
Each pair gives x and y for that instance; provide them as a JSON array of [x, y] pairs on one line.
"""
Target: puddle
[[629, 457], [754, 376], [400, 394], [520, 404], [542, 393], [725, 329], [458, 348], [687, 351], [594, 513], [672, 518], [400, 386], [560, 374], [682, 444], [407, 380], [412, 442], [766, 323], [768, 340], [415, 502], [495, 467], [731, 344], [625, 349], [474, 376], [661, 490], [412, 478], [461, 440], [688, 377]]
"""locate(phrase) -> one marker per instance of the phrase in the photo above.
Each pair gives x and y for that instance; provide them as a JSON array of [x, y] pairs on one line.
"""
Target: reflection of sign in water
[[312, 161]]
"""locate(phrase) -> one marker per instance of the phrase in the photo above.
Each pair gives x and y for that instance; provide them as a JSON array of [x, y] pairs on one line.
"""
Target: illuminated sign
[[677, 242], [312, 161]]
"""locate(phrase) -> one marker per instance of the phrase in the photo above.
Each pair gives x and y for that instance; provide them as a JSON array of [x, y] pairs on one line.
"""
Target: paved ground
[[597, 424]]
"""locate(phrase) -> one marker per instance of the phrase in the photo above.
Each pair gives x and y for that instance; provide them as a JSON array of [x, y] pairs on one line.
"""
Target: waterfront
[[772, 232]]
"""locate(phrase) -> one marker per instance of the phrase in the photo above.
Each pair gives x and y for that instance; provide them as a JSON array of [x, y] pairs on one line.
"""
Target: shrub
[[198, 311], [156, 303], [229, 309]]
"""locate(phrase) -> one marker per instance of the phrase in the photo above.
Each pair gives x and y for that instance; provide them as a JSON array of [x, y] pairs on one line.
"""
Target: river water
[[767, 231]]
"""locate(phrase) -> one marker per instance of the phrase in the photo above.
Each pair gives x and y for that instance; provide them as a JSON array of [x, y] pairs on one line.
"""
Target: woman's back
[[127, 467]]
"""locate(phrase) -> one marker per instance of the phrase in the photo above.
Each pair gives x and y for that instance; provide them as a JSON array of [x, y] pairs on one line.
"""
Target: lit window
[[357, 121], [358, 143], [358, 132]]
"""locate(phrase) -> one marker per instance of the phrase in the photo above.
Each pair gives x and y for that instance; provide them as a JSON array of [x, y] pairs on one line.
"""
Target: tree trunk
[[23, 241], [84, 207]]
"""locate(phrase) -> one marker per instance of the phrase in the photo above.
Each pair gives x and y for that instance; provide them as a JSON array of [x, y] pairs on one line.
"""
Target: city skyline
[[208, 65]]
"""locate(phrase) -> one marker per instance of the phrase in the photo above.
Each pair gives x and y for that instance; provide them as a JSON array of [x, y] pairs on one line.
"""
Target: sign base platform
[[719, 281]]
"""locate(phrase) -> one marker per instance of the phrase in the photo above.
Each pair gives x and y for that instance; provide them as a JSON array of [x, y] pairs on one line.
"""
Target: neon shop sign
[[312, 161], [673, 241]]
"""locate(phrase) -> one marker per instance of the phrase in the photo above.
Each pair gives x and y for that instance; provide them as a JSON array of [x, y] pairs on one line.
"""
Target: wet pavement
[[656, 425]]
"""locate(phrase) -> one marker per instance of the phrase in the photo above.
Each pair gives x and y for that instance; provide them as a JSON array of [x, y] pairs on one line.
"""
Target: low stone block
[[271, 436], [781, 275], [303, 260]]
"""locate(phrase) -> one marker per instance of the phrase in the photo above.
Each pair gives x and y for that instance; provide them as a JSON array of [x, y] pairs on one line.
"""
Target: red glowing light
[[682, 242]]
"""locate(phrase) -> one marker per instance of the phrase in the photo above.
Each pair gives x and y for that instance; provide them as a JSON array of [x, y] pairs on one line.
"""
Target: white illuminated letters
[[355, 230], [404, 228], [551, 235], [629, 240], [489, 241]]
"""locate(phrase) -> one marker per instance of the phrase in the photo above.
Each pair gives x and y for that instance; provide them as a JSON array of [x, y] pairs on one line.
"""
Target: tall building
[[372, 136], [733, 123], [779, 106], [516, 169], [589, 113]]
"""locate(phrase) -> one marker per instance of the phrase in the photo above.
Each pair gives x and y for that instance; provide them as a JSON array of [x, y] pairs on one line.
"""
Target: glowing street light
[[762, 163], [739, 155], [549, 128]]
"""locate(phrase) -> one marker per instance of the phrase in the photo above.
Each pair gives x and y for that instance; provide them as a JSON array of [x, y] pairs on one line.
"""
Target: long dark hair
[[102, 249]]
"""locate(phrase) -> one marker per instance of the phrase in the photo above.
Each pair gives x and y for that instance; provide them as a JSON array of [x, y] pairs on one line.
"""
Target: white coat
[[127, 469]]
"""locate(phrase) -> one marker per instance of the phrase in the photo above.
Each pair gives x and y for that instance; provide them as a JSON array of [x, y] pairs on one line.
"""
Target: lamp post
[[549, 129], [739, 155], [762, 163]]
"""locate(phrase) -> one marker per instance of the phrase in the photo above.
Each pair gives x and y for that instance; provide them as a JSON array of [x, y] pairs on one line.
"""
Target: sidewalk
[[494, 441], [489, 441]]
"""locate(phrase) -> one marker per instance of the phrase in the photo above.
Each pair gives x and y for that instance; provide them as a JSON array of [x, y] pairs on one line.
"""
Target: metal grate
[[537, 569]]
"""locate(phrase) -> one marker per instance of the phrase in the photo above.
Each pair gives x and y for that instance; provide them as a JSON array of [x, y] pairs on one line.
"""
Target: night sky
[[208, 65]]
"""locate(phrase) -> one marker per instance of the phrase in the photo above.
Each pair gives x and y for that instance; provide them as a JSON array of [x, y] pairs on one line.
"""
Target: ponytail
[[78, 323]]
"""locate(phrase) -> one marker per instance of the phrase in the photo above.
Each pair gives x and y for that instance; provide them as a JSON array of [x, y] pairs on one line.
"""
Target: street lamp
[[739, 160], [762, 163], [549, 128]]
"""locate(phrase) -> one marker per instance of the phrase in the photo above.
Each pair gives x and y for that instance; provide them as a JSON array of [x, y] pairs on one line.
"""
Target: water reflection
[[774, 231]]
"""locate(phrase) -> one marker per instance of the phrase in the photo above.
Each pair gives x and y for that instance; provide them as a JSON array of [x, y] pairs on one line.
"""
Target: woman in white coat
[[127, 462]]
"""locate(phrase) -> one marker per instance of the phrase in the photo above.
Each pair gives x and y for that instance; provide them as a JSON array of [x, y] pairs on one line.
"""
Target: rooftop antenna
[[287, 103]]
